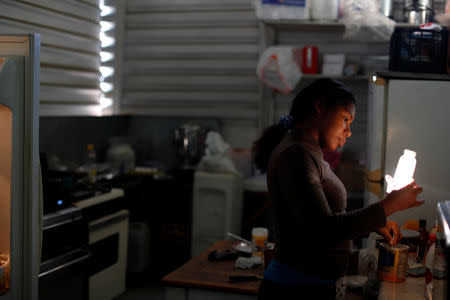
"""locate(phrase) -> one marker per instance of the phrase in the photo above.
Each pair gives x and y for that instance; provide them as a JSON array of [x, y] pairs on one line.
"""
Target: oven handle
[[84, 257], [111, 221]]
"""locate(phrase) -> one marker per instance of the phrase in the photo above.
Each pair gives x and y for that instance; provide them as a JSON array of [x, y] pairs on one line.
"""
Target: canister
[[392, 262], [309, 59], [259, 240]]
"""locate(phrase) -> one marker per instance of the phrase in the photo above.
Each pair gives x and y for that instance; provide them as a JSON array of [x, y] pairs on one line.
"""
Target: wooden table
[[200, 278], [205, 280]]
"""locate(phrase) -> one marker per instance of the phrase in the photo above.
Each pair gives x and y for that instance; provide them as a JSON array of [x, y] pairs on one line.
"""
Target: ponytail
[[265, 144]]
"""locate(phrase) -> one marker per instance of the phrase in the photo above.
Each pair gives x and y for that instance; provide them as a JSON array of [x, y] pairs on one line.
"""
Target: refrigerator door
[[19, 102], [417, 119], [375, 142]]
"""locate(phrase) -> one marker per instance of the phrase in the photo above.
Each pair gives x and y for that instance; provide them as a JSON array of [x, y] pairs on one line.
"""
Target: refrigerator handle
[[40, 211]]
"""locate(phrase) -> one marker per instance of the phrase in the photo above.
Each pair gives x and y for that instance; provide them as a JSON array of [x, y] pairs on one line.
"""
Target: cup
[[268, 254], [259, 239]]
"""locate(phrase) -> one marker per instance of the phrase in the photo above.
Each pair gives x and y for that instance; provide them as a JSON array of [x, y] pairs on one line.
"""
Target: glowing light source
[[106, 25], [105, 102], [106, 56], [404, 173], [106, 40], [374, 78], [106, 10], [106, 87], [106, 71]]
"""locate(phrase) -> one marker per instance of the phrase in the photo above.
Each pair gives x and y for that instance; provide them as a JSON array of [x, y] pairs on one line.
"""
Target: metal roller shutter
[[70, 51], [191, 58]]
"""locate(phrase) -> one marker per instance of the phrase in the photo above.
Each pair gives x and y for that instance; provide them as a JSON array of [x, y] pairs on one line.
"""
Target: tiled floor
[[142, 287]]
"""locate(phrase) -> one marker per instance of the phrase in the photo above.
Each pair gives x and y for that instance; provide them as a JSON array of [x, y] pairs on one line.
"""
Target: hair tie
[[286, 121]]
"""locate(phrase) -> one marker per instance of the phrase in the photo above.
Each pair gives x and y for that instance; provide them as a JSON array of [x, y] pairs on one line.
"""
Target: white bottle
[[404, 174], [325, 10]]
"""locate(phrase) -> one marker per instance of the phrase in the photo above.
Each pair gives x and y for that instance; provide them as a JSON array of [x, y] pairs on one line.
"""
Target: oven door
[[65, 277], [108, 240]]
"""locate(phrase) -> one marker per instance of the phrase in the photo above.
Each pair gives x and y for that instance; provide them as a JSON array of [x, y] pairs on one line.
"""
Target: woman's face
[[335, 126]]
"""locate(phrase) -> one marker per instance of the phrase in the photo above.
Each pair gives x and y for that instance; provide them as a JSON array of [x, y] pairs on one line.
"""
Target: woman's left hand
[[393, 227]]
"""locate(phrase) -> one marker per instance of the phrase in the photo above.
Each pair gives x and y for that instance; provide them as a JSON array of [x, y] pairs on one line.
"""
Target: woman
[[313, 232]]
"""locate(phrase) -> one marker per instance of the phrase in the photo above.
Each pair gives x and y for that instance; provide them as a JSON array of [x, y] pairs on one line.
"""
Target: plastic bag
[[279, 10], [364, 22], [217, 157], [277, 68]]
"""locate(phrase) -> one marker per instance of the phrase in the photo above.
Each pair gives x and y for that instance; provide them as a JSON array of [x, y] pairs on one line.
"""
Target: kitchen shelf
[[341, 77], [315, 25], [320, 32]]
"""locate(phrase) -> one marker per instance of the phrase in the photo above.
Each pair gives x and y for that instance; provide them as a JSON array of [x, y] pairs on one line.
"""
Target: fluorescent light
[[105, 102], [106, 87], [106, 71]]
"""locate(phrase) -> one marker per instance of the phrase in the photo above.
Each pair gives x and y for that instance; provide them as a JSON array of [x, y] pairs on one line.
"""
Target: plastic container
[[404, 173], [279, 10], [138, 247], [410, 238], [121, 155], [260, 237], [392, 262], [325, 10], [418, 50], [309, 59], [216, 208]]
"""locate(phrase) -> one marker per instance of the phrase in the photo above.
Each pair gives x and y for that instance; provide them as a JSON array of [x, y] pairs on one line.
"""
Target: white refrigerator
[[20, 188], [410, 113]]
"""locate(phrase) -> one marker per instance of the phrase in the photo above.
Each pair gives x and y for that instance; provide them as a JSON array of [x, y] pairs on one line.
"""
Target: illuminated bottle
[[404, 174]]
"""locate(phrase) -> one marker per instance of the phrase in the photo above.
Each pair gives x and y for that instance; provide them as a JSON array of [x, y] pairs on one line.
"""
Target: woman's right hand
[[402, 199]]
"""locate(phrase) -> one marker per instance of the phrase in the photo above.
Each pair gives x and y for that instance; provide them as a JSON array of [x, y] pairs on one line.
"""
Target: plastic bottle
[[440, 264], [428, 261], [404, 174], [91, 163], [423, 239], [325, 10]]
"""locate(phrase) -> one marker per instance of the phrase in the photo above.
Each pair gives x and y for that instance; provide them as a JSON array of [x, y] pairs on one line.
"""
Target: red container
[[309, 59]]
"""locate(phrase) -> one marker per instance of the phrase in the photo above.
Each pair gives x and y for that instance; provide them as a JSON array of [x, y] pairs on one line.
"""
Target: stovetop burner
[[85, 191]]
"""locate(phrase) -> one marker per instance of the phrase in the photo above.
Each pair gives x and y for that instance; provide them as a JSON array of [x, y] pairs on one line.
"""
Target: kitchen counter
[[202, 279], [113, 194], [411, 289], [413, 76]]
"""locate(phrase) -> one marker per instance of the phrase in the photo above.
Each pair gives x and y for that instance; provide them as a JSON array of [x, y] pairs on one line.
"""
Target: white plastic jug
[[404, 174], [325, 10]]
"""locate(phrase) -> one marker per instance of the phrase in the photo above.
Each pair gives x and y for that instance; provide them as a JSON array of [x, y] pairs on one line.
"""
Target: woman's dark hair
[[331, 91]]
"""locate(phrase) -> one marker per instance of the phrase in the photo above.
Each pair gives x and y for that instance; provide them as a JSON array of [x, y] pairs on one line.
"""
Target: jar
[[121, 155]]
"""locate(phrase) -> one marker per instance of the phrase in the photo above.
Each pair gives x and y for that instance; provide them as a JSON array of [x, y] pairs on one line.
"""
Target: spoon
[[239, 238]]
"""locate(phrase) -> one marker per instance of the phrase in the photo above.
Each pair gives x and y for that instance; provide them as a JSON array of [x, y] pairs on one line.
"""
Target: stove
[[65, 258], [108, 242], [63, 188]]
